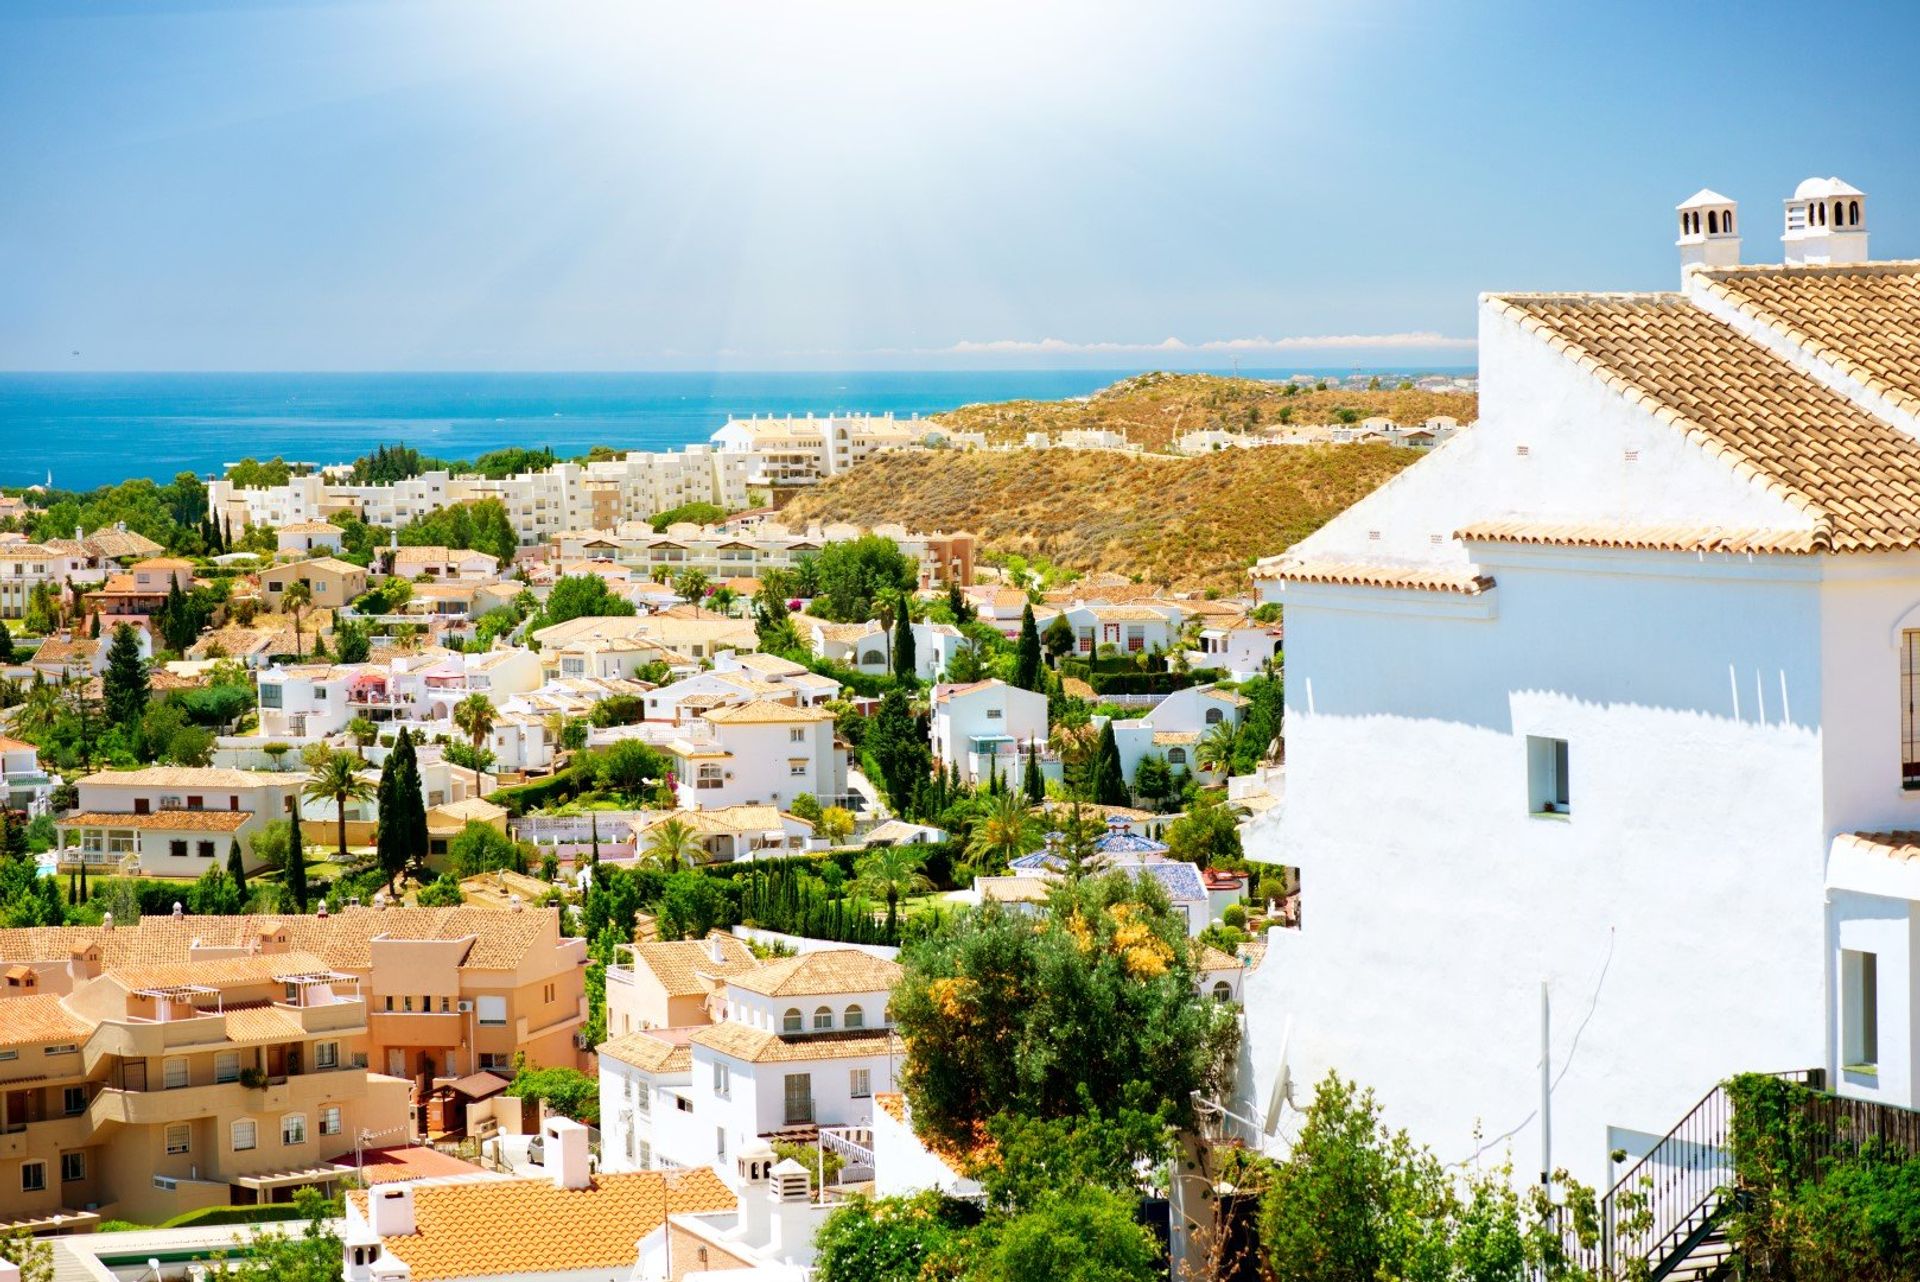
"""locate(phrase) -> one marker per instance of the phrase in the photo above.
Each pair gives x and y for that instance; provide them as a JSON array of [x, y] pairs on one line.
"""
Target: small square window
[[330, 1120], [245, 1136], [179, 1139], [73, 1166], [1548, 790], [33, 1177], [861, 1083], [74, 1100], [293, 1129]]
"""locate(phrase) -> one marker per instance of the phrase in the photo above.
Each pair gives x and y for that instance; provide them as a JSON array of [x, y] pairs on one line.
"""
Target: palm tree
[[40, 709], [890, 872], [672, 845], [474, 716], [337, 779], [295, 600], [363, 732], [1215, 749], [1008, 831], [722, 600]]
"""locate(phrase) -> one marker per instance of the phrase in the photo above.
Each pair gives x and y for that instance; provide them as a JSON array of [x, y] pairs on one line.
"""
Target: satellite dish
[[1282, 1094]]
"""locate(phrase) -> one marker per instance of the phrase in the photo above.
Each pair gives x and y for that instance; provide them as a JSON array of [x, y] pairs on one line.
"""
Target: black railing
[[1666, 1203]]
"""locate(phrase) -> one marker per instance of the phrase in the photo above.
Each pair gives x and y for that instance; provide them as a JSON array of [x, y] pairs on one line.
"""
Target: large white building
[[791, 450], [1665, 601], [566, 496]]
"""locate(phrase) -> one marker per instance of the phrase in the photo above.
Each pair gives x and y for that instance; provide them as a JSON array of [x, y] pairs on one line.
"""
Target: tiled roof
[[1175, 738], [262, 1024], [121, 543], [822, 973], [311, 527], [678, 964], [1863, 318], [343, 940], [1357, 575], [162, 820], [1180, 880], [1855, 476], [1207, 957], [507, 1228], [1012, 890], [725, 820], [764, 712], [216, 972], [762, 1046], [1644, 538], [1901, 844], [39, 1018], [190, 777], [644, 1050]]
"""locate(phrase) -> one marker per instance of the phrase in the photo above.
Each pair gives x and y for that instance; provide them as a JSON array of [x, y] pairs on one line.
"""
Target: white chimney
[[716, 950], [1826, 223], [360, 1247], [391, 1210], [1708, 237], [754, 1168], [792, 1206], [566, 1153]]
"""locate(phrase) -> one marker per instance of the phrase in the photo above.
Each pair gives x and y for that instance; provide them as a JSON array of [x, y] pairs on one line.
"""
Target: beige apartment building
[[447, 991], [150, 1089]]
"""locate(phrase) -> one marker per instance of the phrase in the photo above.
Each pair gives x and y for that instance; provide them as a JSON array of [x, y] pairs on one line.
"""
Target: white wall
[[1676, 915]]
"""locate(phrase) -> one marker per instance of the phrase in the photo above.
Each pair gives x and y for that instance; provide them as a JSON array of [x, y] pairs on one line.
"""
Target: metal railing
[[1663, 1205]]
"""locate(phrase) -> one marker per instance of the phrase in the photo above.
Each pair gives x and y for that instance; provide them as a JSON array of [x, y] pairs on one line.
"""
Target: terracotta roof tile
[[39, 1018], [553, 1230], [1355, 574], [762, 1046], [826, 972], [162, 820], [644, 1050], [1855, 476], [678, 964]]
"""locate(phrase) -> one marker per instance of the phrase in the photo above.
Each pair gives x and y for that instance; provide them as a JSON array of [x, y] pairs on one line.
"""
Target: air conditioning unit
[[465, 1008]]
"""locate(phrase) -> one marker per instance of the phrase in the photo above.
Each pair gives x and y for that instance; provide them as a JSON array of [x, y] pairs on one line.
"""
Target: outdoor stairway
[[1665, 1213]]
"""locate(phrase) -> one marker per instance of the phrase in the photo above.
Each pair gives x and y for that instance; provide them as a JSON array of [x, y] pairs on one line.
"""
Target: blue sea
[[94, 429]]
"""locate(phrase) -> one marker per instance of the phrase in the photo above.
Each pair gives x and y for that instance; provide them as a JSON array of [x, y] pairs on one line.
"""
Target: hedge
[[1148, 682]]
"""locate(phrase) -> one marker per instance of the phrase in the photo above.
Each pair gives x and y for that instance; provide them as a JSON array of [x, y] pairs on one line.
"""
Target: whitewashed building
[[1661, 748], [984, 726]]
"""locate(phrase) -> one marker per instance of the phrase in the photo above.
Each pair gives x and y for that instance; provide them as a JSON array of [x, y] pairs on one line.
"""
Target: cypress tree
[[237, 867], [1036, 783], [1109, 781], [83, 879], [6, 644], [296, 872], [1026, 663], [124, 685], [903, 659]]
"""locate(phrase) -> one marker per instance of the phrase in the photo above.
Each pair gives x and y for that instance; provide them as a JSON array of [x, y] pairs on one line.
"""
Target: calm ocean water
[[93, 429]]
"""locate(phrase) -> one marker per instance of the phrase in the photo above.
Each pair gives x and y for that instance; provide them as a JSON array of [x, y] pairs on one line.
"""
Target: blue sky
[[844, 184]]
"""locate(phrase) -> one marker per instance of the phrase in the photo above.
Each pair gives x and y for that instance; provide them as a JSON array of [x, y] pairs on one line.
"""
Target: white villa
[[984, 725], [1648, 794]]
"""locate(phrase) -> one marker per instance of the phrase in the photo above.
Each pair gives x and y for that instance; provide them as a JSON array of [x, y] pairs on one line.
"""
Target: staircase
[[1664, 1215]]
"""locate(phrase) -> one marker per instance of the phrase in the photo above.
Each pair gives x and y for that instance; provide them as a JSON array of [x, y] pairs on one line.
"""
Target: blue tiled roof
[[1122, 842], [1181, 881], [1039, 859]]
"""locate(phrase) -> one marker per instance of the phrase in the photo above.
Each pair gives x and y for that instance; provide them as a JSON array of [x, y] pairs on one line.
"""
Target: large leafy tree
[[581, 596], [481, 525], [1206, 834], [853, 574], [1096, 1003], [124, 685]]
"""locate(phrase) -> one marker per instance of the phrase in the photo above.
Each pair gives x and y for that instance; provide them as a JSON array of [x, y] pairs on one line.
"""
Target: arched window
[[1820, 212], [1839, 214], [856, 1018], [1713, 221], [792, 1022], [1853, 213], [1176, 756], [1213, 716], [823, 1019], [1726, 222], [1222, 991]]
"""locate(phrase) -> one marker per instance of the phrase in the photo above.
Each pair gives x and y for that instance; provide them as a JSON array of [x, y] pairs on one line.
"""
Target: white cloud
[[1424, 340]]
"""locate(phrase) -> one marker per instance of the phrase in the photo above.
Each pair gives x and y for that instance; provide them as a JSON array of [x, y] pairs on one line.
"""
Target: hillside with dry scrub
[[1181, 522], [1154, 409]]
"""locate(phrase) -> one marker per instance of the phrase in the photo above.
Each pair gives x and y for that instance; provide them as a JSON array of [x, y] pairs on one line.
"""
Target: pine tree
[[957, 604], [125, 682], [903, 658], [1026, 663], [236, 866], [1109, 781], [93, 627], [296, 872], [1036, 783]]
